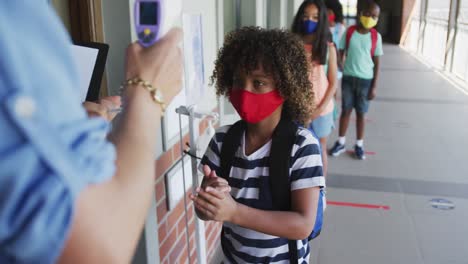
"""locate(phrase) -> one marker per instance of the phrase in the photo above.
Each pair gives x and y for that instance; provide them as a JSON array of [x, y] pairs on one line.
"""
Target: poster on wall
[[193, 80], [175, 179], [193, 57]]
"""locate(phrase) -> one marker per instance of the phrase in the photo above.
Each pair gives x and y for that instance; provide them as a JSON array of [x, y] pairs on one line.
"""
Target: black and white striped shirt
[[249, 175]]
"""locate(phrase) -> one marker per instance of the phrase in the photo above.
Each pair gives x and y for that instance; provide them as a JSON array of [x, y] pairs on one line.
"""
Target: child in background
[[362, 45], [311, 24], [337, 27], [335, 20], [264, 74]]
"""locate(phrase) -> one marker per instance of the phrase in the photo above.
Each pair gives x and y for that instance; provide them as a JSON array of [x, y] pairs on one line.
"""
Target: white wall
[[115, 16]]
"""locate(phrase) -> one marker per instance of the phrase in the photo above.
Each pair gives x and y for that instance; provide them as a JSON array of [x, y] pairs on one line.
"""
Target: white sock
[[342, 140], [360, 142]]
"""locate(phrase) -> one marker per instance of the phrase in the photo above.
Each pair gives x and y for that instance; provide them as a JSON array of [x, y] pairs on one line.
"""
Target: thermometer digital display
[[147, 21]]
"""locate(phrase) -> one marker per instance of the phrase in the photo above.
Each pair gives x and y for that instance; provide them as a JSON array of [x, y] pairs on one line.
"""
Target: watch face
[[158, 96]]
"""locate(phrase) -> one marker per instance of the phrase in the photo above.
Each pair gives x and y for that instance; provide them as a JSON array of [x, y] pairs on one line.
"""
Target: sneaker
[[359, 152], [337, 149]]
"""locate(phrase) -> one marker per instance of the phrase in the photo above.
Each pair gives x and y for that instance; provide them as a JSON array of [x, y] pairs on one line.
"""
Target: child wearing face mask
[[337, 27], [264, 73], [335, 20], [311, 24], [362, 46]]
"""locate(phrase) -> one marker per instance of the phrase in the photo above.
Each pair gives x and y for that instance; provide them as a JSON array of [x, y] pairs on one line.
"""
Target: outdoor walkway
[[380, 209]]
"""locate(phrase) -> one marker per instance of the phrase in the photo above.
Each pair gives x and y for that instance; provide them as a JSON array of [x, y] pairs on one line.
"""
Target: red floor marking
[[366, 152], [359, 205]]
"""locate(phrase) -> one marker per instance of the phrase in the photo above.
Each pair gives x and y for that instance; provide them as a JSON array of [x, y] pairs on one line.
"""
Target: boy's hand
[[212, 180], [215, 205], [371, 94]]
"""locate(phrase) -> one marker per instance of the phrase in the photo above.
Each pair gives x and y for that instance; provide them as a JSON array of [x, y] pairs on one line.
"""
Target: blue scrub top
[[49, 149]]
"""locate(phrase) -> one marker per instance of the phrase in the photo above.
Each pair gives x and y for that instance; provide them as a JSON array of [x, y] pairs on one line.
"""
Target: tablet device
[[90, 58]]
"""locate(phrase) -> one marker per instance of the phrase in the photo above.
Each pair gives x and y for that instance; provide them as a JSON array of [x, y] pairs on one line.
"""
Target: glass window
[[349, 8], [463, 12], [417, 9], [438, 9]]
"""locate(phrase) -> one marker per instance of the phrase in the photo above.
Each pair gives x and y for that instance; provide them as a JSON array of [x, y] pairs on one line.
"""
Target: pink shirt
[[319, 81]]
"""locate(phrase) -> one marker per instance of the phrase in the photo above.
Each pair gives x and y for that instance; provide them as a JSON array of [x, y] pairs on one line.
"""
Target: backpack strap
[[282, 144], [374, 38], [231, 142], [283, 140], [349, 34]]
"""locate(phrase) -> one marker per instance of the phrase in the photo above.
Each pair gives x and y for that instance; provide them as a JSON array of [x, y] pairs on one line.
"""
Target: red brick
[[191, 212], [214, 240], [161, 209], [192, 243], [183, 258], [176, 213], [181, 226], [176, 153], [160, 189], [192, 227], [176, 251], [193, 257], [162, 232], [166, 246], [163, 163], [208, 241]]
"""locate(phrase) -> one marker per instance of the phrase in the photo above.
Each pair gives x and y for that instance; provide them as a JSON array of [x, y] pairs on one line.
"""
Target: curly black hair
[[282, 56]]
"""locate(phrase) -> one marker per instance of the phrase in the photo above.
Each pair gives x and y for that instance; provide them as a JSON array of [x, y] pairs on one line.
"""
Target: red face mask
[[331, 18], [252, 107]]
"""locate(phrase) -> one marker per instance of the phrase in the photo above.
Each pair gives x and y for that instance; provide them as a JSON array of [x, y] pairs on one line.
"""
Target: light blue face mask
[[309, 26]]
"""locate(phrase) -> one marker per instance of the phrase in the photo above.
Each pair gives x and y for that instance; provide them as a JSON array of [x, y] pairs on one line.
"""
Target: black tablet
[[91, 61]]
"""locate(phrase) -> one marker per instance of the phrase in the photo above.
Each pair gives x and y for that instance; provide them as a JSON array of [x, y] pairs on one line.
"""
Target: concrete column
[[293, 7], [422, 28], [277, 14], [451, 33], [260, 13], [247, 13]]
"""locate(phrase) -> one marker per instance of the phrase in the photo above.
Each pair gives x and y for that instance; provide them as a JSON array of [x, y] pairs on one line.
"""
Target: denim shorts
[[323, 125], [354, 92]]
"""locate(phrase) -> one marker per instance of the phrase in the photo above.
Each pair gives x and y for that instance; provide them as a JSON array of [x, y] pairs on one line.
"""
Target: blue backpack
[[283, 140]]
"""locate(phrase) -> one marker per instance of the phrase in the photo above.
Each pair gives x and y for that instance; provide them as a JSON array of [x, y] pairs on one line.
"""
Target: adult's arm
[[109, 216]]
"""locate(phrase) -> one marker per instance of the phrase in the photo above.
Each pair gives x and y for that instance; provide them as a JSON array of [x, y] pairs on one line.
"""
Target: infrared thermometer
[[148, 16]]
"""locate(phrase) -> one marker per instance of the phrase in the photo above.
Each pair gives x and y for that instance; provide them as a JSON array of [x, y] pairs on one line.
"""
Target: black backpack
[[283, 140]]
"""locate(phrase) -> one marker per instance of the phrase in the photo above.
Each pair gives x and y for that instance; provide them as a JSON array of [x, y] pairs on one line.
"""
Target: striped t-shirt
[[249, 183]]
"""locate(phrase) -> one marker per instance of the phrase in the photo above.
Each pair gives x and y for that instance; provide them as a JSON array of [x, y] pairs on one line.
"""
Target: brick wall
[[172, 237]]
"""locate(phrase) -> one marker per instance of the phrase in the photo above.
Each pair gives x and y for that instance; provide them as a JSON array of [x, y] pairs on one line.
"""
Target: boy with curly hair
[[265, 75]]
